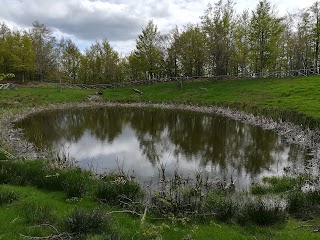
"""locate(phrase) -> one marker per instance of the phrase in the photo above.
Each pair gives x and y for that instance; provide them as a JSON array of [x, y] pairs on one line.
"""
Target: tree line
[[223, 43]]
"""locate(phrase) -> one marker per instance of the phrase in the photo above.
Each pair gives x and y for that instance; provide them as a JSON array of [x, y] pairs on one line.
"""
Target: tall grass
[[118, 188], [7, 196], [82, 221]]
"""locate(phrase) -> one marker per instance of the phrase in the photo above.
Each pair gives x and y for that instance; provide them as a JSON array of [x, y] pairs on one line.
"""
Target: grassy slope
[[299, 94], [13, 222]]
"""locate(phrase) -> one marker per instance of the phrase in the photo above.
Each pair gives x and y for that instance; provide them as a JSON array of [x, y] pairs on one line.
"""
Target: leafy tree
[[191, 54], [171, 56], [217, 24], [4, 32], [101, 64], [315, 20], [240, 58], [69, 58], [147, 58], [265, 32], [44, 44]]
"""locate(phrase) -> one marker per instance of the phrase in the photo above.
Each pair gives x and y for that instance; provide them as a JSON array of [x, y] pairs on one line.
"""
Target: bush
[[260, 213], [304, 205], [82, 221], [75, 182], [112, 191], [7, 196], [35, 213], [36, 173], [221, 206]]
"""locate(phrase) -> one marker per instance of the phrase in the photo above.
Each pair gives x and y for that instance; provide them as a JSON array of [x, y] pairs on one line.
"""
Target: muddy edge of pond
[[13, 140]]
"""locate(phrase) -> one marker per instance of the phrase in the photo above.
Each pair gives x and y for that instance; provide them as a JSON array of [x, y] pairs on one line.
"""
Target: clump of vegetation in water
[[278, 185]]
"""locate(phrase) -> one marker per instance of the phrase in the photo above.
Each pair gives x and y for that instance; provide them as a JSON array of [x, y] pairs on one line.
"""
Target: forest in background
[[223, 43]]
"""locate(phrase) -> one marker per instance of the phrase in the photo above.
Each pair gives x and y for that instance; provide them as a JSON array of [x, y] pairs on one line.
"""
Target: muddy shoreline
[[12, 138]]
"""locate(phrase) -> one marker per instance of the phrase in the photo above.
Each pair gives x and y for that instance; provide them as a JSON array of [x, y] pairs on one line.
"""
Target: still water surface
[[140, 140]]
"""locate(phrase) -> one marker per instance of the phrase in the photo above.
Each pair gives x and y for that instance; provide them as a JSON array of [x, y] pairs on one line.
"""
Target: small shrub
[[35, 213], [222, 207], [35, 173], [260, 213], [7, 196], [304, 205], [120, 187], [75, 182], [82, 221]]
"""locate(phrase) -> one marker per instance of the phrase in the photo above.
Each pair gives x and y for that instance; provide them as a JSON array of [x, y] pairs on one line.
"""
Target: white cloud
[[120, 21]]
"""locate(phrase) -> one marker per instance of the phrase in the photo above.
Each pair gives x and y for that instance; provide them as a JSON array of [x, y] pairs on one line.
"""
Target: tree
[[265, 32], [101, 64], [240, 58], [4, 32], [19, 55], [191, 54], [217, 24], [44, 46], [315, 20], [69, 58], [171, 54], [147, 58]]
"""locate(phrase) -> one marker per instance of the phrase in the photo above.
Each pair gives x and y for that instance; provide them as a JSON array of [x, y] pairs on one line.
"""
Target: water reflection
[[142, 139]]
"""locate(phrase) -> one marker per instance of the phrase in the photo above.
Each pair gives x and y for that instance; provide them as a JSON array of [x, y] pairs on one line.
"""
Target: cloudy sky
[[120, 21]]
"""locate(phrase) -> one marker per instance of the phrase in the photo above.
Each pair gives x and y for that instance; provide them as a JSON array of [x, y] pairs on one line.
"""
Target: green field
[[294, 99]]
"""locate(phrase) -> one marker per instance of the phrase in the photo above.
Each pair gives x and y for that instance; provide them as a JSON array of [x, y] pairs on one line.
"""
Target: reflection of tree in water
[[223, 143], [70, 125], [150, 129]]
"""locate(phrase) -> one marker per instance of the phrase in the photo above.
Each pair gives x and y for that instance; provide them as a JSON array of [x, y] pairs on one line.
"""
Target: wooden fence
[[278, 74]]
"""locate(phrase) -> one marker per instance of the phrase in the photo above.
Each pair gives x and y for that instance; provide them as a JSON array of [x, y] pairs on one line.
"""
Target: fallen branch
[[137, 90]]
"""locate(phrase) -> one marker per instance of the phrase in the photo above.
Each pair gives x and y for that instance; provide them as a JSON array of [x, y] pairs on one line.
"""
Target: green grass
[[292, 98], [13, 222]]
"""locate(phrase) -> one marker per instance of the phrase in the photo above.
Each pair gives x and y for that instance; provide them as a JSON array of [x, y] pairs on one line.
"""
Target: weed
[[115, 188], [222, 207], [262, 213], [7, 196], [82, 221], [304, 205], [75, 182], [35, 213]]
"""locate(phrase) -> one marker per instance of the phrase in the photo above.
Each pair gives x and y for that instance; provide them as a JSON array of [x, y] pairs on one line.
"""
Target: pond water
[[139, 141]]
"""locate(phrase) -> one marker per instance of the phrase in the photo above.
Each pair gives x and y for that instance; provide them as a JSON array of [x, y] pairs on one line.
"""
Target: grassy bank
[[293, 99], [40, 199]]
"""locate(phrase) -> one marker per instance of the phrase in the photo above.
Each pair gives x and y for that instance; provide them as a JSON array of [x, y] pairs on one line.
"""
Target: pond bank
[[12, 139]]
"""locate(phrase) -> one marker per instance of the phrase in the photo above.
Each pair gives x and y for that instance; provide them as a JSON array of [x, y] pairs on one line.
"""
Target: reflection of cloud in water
[[141, 140]]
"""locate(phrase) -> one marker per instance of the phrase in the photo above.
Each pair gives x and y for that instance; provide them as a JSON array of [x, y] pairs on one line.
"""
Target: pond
[[140, 141]]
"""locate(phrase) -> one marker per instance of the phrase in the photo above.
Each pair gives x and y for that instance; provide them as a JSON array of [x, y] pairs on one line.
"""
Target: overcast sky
[[120, 21]]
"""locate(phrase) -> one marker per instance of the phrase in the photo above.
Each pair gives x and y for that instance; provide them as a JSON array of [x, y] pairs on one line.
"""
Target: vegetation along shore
[[120, 205], [255, 68]]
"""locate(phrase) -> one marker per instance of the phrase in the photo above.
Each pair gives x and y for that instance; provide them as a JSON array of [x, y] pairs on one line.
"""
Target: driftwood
[[137, 90]]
